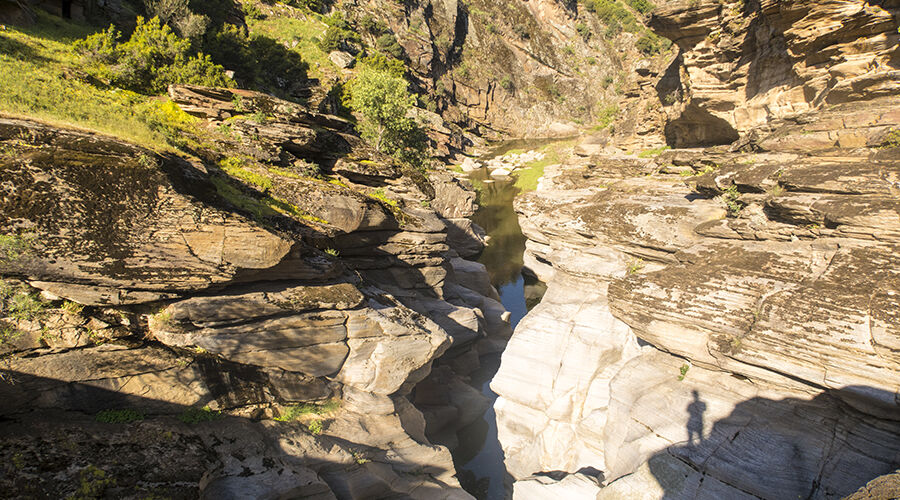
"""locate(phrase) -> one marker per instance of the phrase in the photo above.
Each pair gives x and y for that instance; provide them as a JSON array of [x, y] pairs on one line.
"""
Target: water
[[479, 458]]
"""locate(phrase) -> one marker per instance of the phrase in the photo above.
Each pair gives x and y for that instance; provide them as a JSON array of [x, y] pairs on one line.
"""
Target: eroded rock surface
[[718, 324], [226, 293]]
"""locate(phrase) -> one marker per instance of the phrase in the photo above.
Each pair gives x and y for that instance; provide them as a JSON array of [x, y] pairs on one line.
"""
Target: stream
[[479, 458]]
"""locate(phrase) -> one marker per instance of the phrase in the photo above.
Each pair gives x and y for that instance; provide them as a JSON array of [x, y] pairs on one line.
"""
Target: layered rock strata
[[229, 289], [718, 324]]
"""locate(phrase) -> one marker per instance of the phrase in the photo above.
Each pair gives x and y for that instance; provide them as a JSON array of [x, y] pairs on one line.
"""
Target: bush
[[650, 44], [382, 101], [175, 13], [149, 61], [258, 61], [338, 37], [388, 44], [642, 6]]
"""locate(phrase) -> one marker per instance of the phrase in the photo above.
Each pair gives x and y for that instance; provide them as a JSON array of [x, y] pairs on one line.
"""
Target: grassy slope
[[40, 78], [299, 29]]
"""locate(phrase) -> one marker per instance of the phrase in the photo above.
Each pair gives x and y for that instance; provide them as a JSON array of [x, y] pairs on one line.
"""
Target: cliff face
[[745, 65], [227, 290], [718, 323], [521, 69]]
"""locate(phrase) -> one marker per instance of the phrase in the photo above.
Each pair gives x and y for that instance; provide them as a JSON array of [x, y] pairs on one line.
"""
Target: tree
[[382, 100]]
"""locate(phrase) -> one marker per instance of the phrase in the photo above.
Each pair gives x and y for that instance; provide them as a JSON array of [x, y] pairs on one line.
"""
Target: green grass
[[652, 153], [123, 416], [306, 32], [41, 78], [198, 415], [527, 178], [292, 413]]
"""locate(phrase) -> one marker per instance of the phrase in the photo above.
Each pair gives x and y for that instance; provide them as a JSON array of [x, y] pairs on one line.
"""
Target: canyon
[[289, 313]]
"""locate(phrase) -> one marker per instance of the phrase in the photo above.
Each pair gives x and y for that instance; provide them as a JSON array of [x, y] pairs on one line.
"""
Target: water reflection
[[479, 457]]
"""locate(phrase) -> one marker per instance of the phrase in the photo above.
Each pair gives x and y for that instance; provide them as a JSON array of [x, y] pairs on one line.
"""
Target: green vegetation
[[292, 413], [40, 76], [618, 18], [315, 427], [892, 140], [642, 6], [683, 371], [18, 303], [236, 167], [652, 153], [651, 43], [382, 101], [93, 484], [122, 416], [731, 198], [14, 247], [152, 58], [605, 116], [73, 308], [528, 177], [198, 415], [635, 266], [332, 252]]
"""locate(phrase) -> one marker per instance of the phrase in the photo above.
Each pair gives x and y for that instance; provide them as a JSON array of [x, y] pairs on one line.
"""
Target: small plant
[[146, 161], [122, 416], [892, 140], [731, 198], [778, 190], [425, 203], [73, 308], [161, 319], [198, 415], [259, 117], [683, 371], [238, 103], [635, 266], [332, 252], [359, 458], [315, 427]]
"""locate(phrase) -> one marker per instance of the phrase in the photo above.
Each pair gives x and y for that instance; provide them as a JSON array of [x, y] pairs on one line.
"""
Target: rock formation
[[721, 322], [225, 290]]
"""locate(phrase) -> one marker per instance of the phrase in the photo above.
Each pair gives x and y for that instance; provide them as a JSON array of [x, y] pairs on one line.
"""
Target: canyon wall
[[164, 313], [721, 322]]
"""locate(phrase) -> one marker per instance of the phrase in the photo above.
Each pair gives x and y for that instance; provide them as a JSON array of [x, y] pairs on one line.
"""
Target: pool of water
[[479, 458]]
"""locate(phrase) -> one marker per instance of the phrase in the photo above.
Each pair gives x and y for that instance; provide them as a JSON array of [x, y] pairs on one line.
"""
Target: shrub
[[18, 303], [642, 6], [315, 427], [650, 44], [258, 61], [149, 61], [338, 36], [388, 44], [583, 30], [176, 14], [382, 101]]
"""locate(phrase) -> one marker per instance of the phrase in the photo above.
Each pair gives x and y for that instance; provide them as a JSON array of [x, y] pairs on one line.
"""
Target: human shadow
[[787, 448], [695, 420]]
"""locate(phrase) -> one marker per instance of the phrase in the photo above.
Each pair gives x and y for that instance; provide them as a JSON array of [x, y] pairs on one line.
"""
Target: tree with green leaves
[[382, 101]]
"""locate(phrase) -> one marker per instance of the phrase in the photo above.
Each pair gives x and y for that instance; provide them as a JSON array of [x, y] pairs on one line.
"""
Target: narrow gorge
[[439, 249]]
